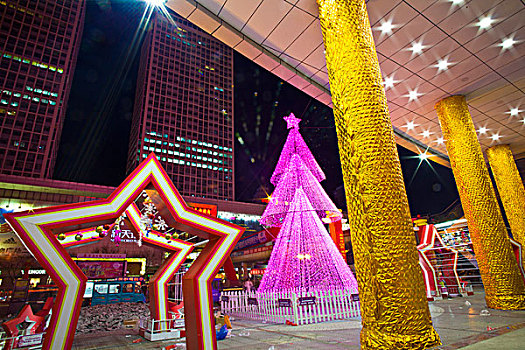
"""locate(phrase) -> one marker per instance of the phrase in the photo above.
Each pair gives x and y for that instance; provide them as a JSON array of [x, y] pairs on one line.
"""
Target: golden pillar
[[394, 307], [504, 288], [510, 188]]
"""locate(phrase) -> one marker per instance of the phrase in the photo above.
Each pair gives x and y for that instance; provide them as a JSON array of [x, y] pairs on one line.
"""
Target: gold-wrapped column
[[510, 188], [394, 307], [504, 288]]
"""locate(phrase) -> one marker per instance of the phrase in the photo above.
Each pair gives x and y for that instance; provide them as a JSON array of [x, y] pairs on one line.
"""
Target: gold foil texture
[[510, 189], [394, 307], [504, 288]]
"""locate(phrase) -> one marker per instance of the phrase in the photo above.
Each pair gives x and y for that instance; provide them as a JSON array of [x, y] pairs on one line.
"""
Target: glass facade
[[184, 108], [39, 42]]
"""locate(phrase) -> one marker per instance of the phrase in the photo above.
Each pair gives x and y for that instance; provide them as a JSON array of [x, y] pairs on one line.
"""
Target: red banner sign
[[336, 232], [207, 209]]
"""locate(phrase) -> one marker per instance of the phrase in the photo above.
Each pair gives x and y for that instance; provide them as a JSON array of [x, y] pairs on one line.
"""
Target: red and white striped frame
[[37, 230]]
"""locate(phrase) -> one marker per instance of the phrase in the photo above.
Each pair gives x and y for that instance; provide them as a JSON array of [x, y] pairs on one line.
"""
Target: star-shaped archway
[[38, 231]]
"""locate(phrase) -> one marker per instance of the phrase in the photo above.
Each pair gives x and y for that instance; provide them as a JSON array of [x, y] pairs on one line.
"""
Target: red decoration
[[25, 315]]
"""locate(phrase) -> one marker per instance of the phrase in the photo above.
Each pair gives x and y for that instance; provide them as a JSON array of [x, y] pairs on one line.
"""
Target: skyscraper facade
[[184, 108], [39, 42]]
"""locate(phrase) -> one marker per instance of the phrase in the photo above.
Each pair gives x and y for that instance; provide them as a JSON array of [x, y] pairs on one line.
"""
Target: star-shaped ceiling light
[[38, 231], [292, 121]]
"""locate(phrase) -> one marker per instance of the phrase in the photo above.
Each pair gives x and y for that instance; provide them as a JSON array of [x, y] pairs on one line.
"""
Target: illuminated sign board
[[207, 209]]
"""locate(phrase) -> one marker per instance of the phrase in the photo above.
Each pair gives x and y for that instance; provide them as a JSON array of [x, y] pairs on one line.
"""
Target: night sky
[[95, 137]]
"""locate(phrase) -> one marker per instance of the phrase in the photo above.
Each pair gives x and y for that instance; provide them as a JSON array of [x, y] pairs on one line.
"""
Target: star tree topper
[[292, 121]]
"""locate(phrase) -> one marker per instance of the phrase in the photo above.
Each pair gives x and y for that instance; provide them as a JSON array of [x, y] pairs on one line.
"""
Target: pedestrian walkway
[[462, 323]]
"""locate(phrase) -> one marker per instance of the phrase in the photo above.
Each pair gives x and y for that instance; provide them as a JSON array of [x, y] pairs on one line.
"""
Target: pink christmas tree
[[295, 145], [297, 175], [304, 257], [297, 167]]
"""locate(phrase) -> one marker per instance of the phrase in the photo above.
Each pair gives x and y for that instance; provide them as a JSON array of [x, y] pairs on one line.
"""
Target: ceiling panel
[[266, 18], [201, 19], [377, 9], [316, 58], [227, 36], [237, 12], [213, 5], [293, 24]]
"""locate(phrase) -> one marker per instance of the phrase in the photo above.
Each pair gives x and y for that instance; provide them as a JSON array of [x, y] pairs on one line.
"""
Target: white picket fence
[[309, 307]]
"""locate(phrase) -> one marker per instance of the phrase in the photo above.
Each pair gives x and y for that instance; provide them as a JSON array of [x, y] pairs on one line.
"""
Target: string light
[[297, 174], [295, 145], [304, 257]]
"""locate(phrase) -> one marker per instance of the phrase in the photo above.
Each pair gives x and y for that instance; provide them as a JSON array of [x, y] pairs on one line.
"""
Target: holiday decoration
[[295, 145], [304, 257], [117, 240], [297, 174], [394, 308], [510, 188], [504, 287], [38, 229], [13, 327]]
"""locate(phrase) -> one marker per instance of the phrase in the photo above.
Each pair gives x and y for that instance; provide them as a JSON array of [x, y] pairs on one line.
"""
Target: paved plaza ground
[[460, 326]]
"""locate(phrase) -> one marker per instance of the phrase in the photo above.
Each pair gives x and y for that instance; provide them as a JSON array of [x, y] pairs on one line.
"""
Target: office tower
[[39, 42], [184, 108]]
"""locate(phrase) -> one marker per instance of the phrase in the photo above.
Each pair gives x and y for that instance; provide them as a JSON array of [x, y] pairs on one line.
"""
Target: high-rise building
[[39, 42], [184, 108]]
